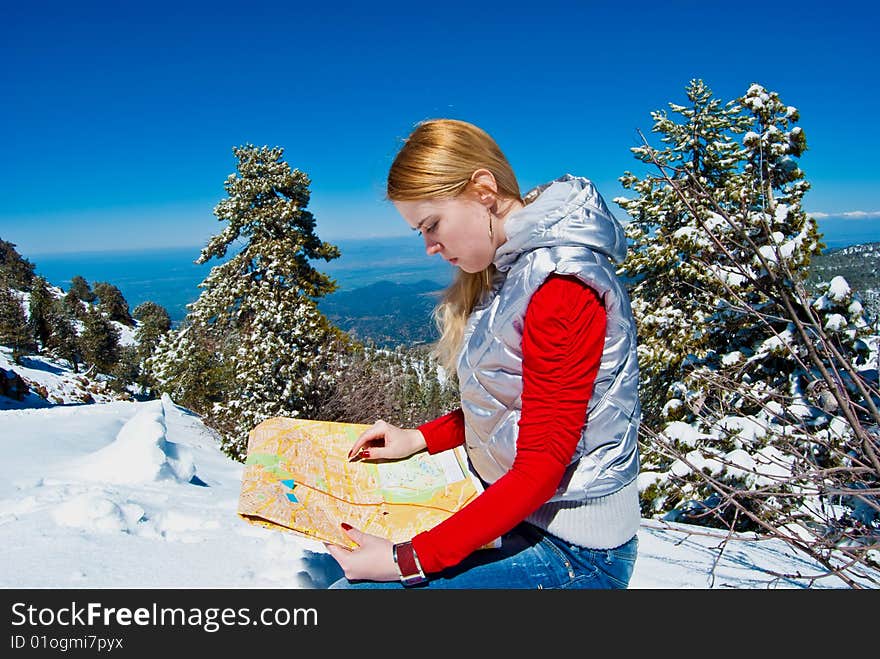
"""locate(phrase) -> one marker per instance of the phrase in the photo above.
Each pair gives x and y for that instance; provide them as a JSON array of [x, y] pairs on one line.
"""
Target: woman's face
[[457, 229]]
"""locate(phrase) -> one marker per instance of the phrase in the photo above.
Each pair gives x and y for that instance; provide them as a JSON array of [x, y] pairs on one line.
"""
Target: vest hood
[[566, 228], [565, 211]]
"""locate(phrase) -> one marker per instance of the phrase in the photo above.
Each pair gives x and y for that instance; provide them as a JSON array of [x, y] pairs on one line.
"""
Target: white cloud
[[855, 215]]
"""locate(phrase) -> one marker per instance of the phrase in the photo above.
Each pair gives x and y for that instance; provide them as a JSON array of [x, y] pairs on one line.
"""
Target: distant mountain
[[389, 313], [858, 264]]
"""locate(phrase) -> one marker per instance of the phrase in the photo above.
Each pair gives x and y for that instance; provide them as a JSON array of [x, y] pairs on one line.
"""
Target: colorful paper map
[[298, 478]]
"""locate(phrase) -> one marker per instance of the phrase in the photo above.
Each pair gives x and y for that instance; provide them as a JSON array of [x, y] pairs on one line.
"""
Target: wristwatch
[[408, 565]]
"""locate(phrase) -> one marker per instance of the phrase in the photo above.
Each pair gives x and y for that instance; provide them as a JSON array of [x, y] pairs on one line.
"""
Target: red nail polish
[[347, 527], [365, 454]]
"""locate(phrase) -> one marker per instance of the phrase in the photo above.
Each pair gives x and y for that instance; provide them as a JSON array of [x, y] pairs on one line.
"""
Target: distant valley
[[386, 312], [391, 314]]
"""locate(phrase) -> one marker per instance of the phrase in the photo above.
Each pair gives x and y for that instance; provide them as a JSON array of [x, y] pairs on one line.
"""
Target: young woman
[[540, 332]]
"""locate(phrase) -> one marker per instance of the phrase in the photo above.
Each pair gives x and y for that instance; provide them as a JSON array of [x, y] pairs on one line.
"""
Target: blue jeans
[[529, 558]]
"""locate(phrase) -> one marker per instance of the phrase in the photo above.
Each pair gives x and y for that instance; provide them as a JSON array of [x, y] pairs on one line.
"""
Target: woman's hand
[[385, 441], [372, 560]]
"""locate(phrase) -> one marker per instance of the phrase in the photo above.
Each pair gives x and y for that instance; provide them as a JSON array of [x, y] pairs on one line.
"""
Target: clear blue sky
[[118, 119]]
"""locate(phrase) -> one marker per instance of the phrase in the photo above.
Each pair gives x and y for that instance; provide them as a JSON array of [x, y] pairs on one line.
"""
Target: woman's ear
[[484, 181]]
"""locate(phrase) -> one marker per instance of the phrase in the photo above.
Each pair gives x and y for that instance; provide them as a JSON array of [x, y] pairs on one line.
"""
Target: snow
[[834, 321], [130, 494], [740, 463], [695, 460], [684, 434], [782, 249], [137, 494], [140, 452], [53, 380], [781, 213], [838, 289], [746, 429]]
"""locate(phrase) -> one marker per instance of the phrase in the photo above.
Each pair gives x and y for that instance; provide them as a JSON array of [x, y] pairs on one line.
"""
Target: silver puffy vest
[[568, 229]]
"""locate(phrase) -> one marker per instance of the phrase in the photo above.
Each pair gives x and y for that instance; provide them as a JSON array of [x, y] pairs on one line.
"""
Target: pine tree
[[154, 322], [256, 322], [40, 311], [80, 288], [64, 341], [189, 365], [16, 271], [13, 323], [99, 342], [673, 295], [73, 306], [732, 346], [112, 303], [126, 370]]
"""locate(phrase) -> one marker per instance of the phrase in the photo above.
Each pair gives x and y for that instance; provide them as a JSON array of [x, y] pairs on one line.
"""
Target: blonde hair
[[437, 161]]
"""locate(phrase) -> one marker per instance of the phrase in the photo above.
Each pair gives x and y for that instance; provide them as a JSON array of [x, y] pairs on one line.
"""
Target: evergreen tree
[[13, 323], [189, 365], [17, 271], [73, 306], [673, 295], [80, 288], [99, 342], [40, 311], [112, 303], [64, 341], [154, 322], [126, 370], [721, 251], [256, 322]]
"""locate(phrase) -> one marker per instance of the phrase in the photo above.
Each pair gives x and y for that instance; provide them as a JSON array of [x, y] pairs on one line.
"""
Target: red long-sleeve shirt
[[563, 338]]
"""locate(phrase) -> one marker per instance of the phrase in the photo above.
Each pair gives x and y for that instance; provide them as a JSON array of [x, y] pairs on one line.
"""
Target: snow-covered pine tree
[[763, 236], [673, 296], [191, 367], [126, 371], [255, 328], [154, 322], [746, 436]]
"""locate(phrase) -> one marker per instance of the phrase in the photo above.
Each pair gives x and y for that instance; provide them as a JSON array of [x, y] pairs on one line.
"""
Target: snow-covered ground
[[130, 494], [52, 381]]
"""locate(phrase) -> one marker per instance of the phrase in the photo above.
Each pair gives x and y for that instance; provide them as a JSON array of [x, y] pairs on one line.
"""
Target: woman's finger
[[339, 554], [355, 534], [376, 432]]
